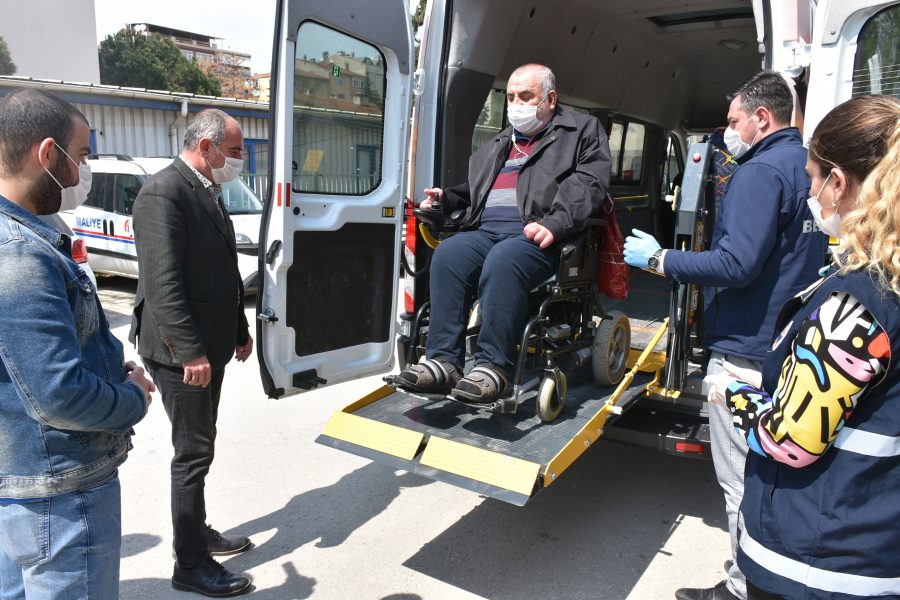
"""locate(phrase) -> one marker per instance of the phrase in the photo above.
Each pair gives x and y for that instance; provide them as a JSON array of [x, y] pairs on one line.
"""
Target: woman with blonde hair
[[820, 516]]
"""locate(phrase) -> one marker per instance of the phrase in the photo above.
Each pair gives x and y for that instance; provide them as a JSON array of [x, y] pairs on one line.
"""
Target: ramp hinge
[[267, 316]]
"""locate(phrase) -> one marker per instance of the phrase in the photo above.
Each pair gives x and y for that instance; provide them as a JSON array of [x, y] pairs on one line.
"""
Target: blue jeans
[[65, 547], [500, 269]]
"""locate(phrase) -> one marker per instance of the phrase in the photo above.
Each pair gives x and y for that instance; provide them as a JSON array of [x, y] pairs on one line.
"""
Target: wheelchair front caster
[[552, 396], [612, 341]]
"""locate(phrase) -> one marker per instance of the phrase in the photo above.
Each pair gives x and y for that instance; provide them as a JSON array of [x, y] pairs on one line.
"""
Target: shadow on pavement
[[587, 536], [135, 543], [117, 296], [326, 515]]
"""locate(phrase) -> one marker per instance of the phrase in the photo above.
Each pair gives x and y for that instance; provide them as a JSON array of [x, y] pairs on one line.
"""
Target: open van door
[[855, 51], [331, 235], [833, 49]]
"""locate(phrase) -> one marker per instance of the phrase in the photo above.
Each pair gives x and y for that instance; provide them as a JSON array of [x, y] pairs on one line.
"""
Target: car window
[[239, 199], [125, 191], [101, 187]]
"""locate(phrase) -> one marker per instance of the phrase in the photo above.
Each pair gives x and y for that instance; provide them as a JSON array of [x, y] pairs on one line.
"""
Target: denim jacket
[[66, 411]]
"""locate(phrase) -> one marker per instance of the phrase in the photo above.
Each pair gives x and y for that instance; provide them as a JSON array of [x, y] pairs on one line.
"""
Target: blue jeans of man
[[192, 410], [500, 269], [64, 547]]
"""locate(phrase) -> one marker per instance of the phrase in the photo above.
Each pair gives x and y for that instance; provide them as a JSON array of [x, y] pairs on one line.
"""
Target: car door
[[330, 238]]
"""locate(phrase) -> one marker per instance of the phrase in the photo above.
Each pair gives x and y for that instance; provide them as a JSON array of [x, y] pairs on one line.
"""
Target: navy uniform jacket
[[831, 530], [765, 248]]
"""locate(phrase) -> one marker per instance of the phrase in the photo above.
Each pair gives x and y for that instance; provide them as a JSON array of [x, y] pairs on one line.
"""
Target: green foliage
[[132, 59], [7, 67], [418, 19]]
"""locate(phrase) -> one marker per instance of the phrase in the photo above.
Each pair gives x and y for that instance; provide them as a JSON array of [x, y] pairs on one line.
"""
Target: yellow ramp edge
[[390, 439], [482, 465]]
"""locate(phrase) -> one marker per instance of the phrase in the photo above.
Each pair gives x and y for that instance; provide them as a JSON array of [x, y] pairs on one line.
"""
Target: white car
[[104, 220], [79, 249]]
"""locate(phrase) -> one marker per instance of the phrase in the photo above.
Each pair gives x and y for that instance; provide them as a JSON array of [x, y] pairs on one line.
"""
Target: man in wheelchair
[[530, 189]]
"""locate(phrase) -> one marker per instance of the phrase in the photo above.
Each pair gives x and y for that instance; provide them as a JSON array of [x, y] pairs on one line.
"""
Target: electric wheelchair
[[566, 328]]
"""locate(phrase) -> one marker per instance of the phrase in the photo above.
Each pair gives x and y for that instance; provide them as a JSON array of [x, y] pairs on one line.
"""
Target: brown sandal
[[434, 376], [483, 384]]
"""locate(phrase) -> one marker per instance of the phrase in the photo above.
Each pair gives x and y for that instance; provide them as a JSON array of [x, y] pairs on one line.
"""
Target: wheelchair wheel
[[612, 342], [552, 396]]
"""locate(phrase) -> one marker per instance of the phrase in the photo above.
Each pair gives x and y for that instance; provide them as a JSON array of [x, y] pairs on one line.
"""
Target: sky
[[242, 25]]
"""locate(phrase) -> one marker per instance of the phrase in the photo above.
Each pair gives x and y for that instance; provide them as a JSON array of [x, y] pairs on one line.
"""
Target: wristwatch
[[653, 262]]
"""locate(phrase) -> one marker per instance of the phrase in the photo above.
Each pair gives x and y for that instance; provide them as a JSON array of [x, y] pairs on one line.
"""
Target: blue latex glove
[[639, 248]]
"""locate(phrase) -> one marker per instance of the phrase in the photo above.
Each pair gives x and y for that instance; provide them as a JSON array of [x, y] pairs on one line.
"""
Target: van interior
[[644, 68]]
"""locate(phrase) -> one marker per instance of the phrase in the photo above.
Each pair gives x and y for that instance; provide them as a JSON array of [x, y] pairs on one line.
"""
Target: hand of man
[[197, 371], [242, 353], [434, 195], [136, 374], [538, 234], [639, 248]]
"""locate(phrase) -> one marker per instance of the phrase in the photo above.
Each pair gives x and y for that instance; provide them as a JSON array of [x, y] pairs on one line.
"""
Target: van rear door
[[330, 240], [855, 50]]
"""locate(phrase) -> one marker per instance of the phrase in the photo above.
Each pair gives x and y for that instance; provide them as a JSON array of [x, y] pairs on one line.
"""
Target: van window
[[877, 65], [626, 146], [125, 191], [490, 121], [338, 127], [101, 188]]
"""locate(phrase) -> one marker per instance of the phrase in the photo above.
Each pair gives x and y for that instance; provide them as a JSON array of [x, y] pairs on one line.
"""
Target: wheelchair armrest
[[595, 223], [434, 218]]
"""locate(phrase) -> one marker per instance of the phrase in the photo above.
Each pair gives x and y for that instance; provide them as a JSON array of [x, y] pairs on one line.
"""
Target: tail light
[[79, 251], [689, 447]]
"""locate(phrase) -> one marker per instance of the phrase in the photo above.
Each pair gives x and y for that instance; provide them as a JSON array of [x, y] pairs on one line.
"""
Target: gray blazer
[[190, 298]]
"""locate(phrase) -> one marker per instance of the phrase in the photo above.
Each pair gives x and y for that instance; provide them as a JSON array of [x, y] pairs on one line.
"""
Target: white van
[[104, 220], [345, 157]]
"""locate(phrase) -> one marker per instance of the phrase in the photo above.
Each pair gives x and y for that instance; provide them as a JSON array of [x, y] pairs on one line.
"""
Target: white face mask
[[523, 117], [736, 146], [830, 226], [227, 172], [74, 196]]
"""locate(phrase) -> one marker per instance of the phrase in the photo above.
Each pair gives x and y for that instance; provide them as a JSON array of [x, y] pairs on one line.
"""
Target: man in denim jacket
[[68, 400]]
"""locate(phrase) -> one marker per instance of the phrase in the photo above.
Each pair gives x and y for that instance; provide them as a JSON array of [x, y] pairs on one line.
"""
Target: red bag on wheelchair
[[613, 270]]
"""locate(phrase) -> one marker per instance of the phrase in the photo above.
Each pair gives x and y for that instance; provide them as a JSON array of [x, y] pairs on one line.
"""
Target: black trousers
[[192, 410]]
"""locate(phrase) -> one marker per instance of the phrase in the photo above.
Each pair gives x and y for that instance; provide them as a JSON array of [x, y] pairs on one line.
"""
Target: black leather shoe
[[210, 579], [720, 592], [221, 545]]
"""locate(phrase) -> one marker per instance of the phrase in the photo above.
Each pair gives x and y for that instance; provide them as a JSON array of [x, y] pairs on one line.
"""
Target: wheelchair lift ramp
[[510, 457]]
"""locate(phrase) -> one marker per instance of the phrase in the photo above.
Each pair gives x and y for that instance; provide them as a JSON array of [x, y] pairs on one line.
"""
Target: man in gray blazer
[[188, 322]]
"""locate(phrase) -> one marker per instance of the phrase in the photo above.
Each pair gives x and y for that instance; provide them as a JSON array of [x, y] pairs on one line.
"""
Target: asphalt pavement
[[622, 523]]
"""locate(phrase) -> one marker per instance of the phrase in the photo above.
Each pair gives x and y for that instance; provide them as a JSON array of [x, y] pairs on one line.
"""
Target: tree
[[418, 19], [233, 78], [7, 67], [133, 59]]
